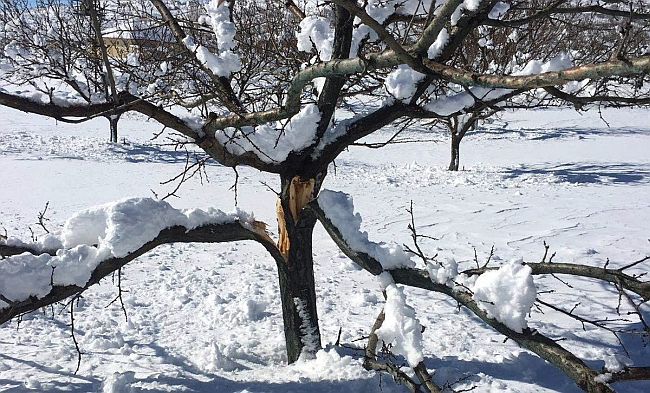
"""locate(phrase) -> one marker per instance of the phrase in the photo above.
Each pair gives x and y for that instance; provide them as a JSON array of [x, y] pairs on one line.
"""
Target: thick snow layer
[[401, 329], [223, 63], [316, 30], [273, 144], [339, 209], [443, 272], [223, 28], [402, 83], [439, 44], [91, 236], [507, 294]]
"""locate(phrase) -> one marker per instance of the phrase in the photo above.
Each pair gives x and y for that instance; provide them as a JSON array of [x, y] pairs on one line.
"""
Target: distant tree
[[270, 87]]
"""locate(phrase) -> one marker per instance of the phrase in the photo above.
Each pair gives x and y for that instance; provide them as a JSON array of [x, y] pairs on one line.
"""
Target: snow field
[[207, 317]]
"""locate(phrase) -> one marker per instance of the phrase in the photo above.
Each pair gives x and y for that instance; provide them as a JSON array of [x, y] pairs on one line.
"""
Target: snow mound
[[507, 294], [119, 383], [401, 329], [443, 273], [339, 209], [402, 83]]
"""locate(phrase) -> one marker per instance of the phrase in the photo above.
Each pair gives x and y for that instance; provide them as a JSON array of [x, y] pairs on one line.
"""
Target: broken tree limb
[[212, 233], [546, 348]]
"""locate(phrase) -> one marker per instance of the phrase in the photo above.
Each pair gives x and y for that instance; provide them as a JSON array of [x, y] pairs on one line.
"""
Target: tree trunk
[[113, 119], [455, 152], [296, 273]]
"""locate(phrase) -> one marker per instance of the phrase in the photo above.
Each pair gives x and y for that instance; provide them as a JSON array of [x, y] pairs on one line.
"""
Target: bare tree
[[257, 100]]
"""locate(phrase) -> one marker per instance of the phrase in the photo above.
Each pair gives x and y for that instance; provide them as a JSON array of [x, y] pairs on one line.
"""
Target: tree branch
[[614, 67], [213, 233], [532, 340], [614, 276]]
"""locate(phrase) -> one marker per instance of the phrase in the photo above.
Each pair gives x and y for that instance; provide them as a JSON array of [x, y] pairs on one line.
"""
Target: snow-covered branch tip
[[99, 241]]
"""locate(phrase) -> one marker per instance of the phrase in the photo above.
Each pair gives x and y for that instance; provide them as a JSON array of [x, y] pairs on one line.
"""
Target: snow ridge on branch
[[90, 237]]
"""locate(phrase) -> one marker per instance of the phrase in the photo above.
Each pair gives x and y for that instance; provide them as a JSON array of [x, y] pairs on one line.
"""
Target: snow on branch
[[338, 208], [273, 144], [456, 103], [96, 242], [613, 67], [341, 223], [401, 329], [507, 294]]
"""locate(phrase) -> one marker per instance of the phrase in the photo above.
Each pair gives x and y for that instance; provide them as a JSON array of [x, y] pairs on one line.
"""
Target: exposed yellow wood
[[259, 227], [299, 195]]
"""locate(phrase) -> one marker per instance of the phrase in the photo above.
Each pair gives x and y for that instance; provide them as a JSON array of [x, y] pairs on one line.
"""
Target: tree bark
[[113, 120], [296, 273], [455, 152]]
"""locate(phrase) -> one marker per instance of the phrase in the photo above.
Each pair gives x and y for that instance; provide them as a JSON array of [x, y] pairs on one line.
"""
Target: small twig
[[562, 281], [157, 134], [414, 236], [119, 295], [42, 218], [584, 321], [4, 299], [546, 247], [489, 258], [338, 338], [269, 188], [449, 386], [74, 338], [234, 186], [633, 263]]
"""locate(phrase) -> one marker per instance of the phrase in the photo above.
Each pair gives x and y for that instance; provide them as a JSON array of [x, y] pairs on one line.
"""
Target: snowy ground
[[206, 318]]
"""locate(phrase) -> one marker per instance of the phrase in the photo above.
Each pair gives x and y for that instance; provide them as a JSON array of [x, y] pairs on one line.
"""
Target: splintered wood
[[299, 196]]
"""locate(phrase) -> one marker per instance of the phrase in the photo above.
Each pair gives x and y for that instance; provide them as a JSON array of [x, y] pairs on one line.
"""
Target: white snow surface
[[207, 317], [401, 329], [339, 209], [507, 294]]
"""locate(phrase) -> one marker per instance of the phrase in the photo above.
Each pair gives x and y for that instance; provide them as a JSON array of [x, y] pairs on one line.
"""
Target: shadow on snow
[[581, 173]]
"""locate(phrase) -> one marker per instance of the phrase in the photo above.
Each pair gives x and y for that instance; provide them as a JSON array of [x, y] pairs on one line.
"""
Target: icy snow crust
[[116, 229]]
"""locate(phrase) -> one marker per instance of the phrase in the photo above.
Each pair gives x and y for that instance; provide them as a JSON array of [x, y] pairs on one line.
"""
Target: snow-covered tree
[[285, 88]]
